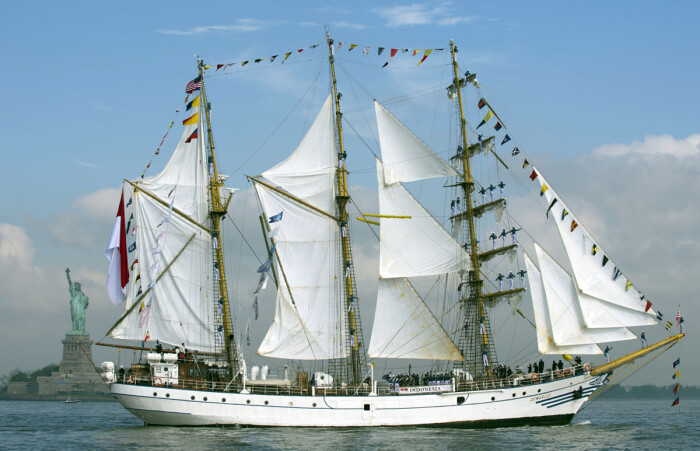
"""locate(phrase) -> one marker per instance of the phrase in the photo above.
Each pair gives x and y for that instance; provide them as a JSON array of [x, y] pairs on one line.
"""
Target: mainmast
[[473, 343], [217, 211], [342, 198]]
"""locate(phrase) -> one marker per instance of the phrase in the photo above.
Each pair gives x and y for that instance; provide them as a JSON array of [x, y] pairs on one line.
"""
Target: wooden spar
[[141, 348], [162, 202], [218, 210], [360, 218], [291, 196], [388, 216], [637, 354]]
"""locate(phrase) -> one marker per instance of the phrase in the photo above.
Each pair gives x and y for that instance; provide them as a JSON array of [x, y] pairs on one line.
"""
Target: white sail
[[405, 328], [405, 157], [309, 323], [566, 319], [173, 248], [593, 278], [545, 338], [415, 246], [309, 171]]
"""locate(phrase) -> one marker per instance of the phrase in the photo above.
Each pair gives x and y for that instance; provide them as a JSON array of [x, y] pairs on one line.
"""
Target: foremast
[[357, 355], [218, 210], [477, 347]]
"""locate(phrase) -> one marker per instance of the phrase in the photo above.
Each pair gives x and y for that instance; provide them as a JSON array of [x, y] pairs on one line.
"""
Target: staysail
[[595, 274], [309, 322], [170, 251]]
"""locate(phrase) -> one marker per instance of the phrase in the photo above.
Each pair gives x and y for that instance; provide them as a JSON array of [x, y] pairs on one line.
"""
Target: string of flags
[[676, 377], [264, 269]]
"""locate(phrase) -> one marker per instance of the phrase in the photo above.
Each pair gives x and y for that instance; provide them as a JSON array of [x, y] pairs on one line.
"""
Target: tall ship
[[167, 270]]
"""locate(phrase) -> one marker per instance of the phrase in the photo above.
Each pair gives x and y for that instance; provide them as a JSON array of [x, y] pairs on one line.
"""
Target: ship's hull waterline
[[548, 403]]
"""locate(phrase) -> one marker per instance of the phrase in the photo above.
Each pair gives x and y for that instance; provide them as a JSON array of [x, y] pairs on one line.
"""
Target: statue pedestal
[[76, 350]]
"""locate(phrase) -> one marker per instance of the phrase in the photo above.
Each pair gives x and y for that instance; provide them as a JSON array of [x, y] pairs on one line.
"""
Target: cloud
[[653, 146], [85, 163], [308, 24], [351, 26], [421, 14], [88, 221], [245, 25]]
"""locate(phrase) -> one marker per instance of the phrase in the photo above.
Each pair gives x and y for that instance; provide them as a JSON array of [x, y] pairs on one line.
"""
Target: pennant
[[139, 292], [257, 60], [155, 267], [526, 164], [393, 52], [191, 120], [659, 315], [425, 56], [194, 85], [668, 325], [533, 176], [616, 273], [138, 277], [628, 285], [265, 267], [300, 50], [380, 50], [248, 336], [648, 306], [498, 126], [544, 190], [286, 55], [340, 44], [244, 63], [675, 388], [415, 51], [551, 205], [272, 58], [277, 217], [132, 248], [488, 116], [128, 203], [677, 374], [482, 103], [194, 135], [147, 337], [677, 362], [165, 220], [194, 102], [352, 46], [207, 67], [366, 50], [676, 402], [255, 307], [505, 139], [230, 64], [219, 66], [515, 151], [313, 46], [132, 265], [404, 50], [605, 260]]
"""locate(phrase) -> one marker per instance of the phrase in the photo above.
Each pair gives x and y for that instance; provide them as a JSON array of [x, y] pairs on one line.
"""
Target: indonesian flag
[[118, 275]]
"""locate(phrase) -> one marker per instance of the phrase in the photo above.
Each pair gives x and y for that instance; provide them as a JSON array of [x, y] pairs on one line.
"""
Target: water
[[106, 425]]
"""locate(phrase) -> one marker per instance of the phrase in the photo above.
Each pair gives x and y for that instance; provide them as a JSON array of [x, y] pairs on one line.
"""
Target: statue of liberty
[[78, 304]]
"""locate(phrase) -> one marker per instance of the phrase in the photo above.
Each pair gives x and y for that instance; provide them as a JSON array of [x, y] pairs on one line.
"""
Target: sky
[[601, 96]]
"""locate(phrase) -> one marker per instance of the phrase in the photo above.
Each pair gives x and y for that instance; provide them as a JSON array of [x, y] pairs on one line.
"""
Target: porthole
[[155, 394], [539, 390], [192, 398], [266, 403], [493, 398], [291, 404], [223, 399], [167, 395], [205, 398], [523, 395], [247, 401], [513, 395], [314, 404]]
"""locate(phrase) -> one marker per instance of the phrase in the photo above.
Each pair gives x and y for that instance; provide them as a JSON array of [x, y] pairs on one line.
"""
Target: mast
[[342, 198], [217, 211], [473, 342]]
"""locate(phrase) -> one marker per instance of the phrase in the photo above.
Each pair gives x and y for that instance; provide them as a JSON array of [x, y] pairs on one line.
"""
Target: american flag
[[194, 85], [678, 317]]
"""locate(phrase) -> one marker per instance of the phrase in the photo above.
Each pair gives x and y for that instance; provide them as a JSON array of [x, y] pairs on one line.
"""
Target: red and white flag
[[118, 275], [678, 317]]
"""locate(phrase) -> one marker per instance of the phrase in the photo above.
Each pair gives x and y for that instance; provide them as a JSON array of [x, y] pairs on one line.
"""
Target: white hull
[[545, 403]]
